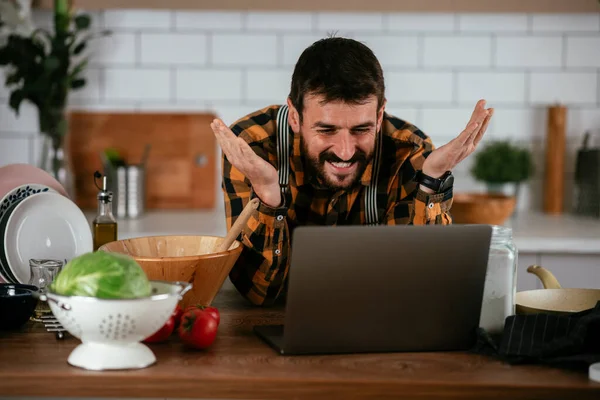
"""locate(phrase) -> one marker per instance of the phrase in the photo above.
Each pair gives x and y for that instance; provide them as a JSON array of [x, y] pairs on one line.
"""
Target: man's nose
[[344, 147]]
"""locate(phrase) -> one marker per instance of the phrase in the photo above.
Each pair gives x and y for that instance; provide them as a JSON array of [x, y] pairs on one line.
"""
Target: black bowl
[[17, 303]]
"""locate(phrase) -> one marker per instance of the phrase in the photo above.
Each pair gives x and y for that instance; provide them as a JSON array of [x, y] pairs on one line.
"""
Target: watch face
[[447, 183]]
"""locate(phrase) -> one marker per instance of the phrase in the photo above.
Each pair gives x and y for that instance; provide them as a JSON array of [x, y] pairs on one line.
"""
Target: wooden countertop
[[240, 365]]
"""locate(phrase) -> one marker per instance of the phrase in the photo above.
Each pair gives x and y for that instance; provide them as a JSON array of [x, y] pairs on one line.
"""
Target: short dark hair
[[337, 69]]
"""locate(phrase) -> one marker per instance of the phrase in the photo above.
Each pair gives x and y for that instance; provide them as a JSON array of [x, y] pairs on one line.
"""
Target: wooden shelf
[[428, 6]]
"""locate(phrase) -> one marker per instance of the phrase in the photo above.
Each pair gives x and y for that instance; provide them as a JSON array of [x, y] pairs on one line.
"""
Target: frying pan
[[554, 299]]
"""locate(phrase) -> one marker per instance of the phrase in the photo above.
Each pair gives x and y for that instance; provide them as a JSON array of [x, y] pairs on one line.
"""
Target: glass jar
[[43, 273], [500, 281]]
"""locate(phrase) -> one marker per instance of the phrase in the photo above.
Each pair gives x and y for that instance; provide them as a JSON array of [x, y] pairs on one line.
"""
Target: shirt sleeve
[[413, 206], [262, 267]]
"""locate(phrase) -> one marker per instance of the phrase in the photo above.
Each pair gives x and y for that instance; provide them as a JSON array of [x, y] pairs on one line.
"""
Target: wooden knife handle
[[239, 224]]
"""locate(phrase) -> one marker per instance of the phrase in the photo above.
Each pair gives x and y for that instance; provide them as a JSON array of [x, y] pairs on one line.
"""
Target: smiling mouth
[[342, 167]]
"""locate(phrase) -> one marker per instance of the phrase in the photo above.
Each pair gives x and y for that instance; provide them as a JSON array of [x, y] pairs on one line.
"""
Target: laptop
[[358, 289]]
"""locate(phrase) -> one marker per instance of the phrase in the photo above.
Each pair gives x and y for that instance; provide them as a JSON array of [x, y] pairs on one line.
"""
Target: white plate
[[47, 226], [7, 203]]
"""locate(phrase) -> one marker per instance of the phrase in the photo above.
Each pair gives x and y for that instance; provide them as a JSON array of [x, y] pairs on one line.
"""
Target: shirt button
[[280, 218], [430, 205], [278, 252]]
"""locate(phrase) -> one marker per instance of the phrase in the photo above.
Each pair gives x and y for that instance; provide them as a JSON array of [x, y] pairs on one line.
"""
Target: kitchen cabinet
[[487, 6], [240, 365]]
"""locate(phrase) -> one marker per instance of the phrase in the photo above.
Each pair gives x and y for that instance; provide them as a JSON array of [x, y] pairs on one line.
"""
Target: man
[[331, 156]]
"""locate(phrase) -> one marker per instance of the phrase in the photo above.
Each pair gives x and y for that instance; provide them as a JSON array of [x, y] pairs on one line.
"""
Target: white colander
[[111, 329]]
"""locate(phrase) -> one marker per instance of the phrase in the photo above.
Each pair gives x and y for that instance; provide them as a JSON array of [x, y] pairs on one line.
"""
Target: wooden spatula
[[238, 225]]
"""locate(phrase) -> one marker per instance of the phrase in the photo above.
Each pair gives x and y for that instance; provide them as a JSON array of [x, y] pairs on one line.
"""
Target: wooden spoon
[[238, 225]]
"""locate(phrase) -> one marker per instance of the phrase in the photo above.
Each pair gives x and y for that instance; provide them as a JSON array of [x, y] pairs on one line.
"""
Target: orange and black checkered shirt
[[261, 271]]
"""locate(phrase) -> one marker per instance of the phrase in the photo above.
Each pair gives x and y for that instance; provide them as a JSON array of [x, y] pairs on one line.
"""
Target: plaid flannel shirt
[[261, 271]]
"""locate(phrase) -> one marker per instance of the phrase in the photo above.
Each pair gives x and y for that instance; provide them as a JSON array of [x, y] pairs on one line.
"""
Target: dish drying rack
[[52, 325]]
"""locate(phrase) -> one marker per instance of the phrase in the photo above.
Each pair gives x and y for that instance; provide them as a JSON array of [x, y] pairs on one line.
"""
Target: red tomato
[[163, 333], [198, 329], [211, 310], [177, 313]]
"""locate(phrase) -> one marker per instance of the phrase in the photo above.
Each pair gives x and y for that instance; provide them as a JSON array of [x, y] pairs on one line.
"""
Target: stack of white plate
[[37, 221]]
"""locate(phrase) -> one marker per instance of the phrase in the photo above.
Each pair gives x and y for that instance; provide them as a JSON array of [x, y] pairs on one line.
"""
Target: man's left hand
[[446, 157]]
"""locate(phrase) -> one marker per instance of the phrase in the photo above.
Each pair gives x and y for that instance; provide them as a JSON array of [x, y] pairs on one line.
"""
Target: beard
[[331, 181]]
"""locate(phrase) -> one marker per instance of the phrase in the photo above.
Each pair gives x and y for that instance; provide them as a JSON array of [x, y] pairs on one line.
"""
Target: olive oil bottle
[[105, 224]]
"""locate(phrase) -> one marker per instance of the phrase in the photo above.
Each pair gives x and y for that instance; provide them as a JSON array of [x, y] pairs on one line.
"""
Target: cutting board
[[181, 166]]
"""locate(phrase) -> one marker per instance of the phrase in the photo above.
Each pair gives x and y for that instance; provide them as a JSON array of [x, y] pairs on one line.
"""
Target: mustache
[[359, 156]]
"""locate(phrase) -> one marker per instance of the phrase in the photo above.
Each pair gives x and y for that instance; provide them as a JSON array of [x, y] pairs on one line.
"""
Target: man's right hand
[[262, 175]]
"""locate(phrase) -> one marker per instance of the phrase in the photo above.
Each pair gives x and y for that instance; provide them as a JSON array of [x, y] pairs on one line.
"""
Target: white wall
[[436, 67]]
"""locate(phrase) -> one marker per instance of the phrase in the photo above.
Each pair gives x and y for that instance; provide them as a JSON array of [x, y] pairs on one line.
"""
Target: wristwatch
[[438, 185]]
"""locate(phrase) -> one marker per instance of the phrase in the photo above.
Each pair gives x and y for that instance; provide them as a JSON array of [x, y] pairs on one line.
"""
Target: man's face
[[338, 139]]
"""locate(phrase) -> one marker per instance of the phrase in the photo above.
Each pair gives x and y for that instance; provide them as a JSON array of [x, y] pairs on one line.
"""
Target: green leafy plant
[[103, 275], [42, 67], [501, 162]]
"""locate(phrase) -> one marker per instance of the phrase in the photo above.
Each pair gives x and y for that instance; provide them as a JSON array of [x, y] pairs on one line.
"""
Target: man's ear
[[380, 115], [293, 117]]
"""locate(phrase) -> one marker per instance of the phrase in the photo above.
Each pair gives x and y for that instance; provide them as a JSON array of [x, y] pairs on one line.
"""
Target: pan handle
[[548, 279]]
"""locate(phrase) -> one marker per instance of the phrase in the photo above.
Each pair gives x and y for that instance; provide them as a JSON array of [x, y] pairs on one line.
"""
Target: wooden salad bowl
[[184, 258], [481, 208]]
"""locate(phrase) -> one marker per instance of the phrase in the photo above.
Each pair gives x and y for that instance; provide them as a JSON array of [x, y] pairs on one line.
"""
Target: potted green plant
[[42, 68], [501, 162]]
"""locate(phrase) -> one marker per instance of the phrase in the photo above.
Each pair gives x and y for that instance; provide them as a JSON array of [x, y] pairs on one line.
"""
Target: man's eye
[[361, 131], [326, 131]]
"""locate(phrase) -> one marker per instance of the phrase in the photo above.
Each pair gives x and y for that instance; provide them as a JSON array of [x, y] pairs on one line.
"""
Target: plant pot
[[482, 208]]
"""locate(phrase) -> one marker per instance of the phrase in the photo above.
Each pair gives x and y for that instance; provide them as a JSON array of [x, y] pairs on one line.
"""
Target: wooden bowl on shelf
[[481, 208], [182, 258]]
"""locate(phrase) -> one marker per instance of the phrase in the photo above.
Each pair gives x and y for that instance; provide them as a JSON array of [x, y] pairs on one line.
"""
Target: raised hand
[[262, 175], [447, 157]]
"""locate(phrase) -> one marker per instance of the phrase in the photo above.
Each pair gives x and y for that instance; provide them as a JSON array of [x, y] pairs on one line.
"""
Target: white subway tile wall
[[285, 22], [493, 23], [565, 23], [208, 21], [349, 22], [499, 87], [207, 85], [519, 51], [411, 88], [436, 67], [158, 49], [457, 51], [242, 50], [116, 49], [135, 84], [394, 50]]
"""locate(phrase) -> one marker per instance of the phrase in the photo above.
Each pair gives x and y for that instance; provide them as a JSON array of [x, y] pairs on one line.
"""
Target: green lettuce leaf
[[102, 275]]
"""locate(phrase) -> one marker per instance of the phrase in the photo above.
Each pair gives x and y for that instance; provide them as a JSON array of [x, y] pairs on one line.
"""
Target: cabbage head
[[103, 275]]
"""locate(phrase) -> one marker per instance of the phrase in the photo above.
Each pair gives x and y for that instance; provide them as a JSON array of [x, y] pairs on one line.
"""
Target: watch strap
[[430, 182]]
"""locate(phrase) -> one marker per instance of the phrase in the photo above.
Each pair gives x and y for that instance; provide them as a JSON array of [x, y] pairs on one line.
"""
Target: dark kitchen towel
[[566, 341]]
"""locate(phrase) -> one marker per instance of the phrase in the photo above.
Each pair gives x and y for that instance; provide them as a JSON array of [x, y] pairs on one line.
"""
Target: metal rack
[[52, 325]]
